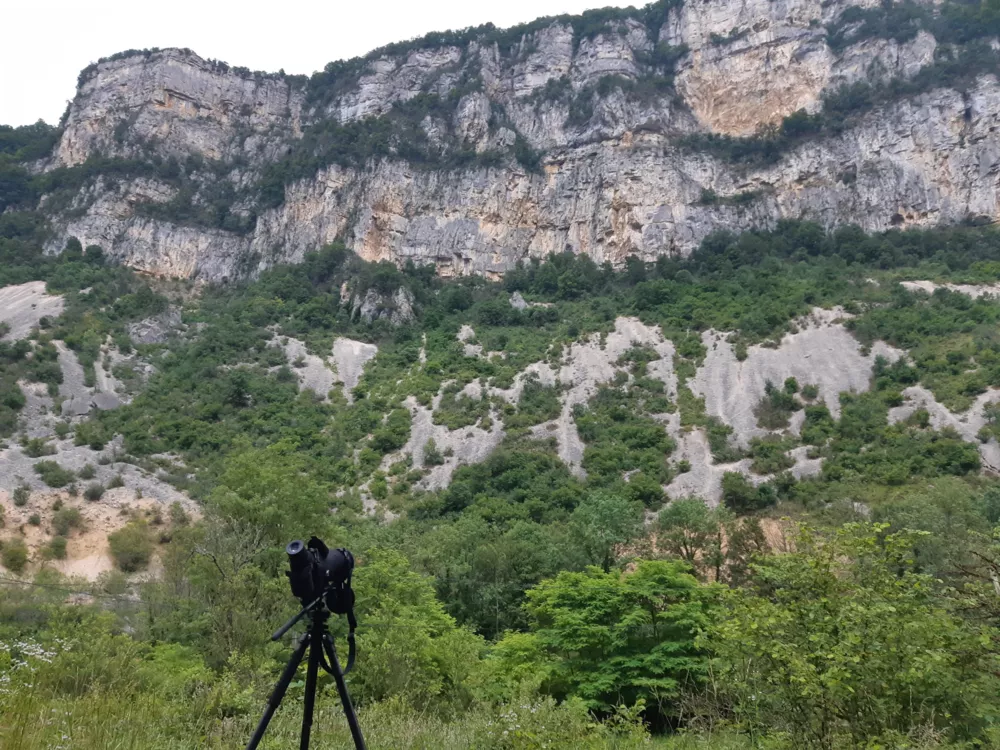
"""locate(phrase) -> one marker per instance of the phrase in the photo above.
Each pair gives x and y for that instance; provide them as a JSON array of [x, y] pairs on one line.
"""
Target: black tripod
[[321, 647]]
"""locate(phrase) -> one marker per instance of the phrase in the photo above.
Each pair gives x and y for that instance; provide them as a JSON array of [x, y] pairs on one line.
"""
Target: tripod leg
[[315, 654], [279, 693], [345, 698]]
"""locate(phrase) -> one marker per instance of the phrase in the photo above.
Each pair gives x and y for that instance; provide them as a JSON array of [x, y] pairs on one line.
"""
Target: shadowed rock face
[[612, 182]]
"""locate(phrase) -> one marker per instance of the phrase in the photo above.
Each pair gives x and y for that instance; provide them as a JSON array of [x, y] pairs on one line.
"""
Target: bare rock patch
[[350, 358], [24, 305], [822, 353]]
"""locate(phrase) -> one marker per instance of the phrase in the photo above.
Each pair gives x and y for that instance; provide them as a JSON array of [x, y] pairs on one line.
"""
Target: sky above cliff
[[48, 43]]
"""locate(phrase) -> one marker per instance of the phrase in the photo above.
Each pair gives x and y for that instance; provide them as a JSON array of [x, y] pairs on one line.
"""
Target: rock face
[[22, 308], [372, 305], [617, 173], [185, 104]]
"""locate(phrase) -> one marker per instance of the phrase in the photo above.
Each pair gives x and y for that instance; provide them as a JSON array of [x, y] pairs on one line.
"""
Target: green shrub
[[740, 495], [87, 472], [538, 403], [66, 519], [53, 474], [775, 409], [432, 456], [178, 516], [116, 481], [21, 495], [770, 455], [14, 555], [35, 520], [91, 433], [392, 435], [37, 447], [56, 549], [94, 492], [456, 411], [131, 546]]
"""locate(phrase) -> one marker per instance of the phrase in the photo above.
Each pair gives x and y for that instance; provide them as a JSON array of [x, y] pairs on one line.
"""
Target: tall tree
[[605, 522], [841, 641], [614, 638]]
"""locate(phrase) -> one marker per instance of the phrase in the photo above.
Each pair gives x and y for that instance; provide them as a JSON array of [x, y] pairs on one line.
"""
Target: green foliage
[[427, 664], [741, 496], [770, 455], [394, 433], [37, 447], [432, 456], [818, 425], [953, 517], [605, 523], [20, 495], [950, 343], [834, 642], [538, 404], [614, 637], [620, 434], [515, 482], [94, 492], [55, 549], [66, 519], [865, 447], [776, 407], [456, 410], [687, 528], [53, 474], [268, 489], [131, 546], [14, 554]]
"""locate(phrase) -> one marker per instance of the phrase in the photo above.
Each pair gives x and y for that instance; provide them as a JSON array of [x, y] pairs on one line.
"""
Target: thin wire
[[84, 592], [17, 582]]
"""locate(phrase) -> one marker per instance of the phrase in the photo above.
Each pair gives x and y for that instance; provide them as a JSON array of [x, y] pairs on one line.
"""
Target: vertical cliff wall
[[611, 134]]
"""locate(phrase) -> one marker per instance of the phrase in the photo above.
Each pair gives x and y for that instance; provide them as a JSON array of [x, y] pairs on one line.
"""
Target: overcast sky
[[46, 44]]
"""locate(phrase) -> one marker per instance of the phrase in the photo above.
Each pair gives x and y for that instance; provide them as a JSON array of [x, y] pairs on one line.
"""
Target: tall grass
[[126, 720]]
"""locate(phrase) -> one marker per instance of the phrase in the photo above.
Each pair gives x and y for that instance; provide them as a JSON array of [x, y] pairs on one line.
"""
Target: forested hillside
[[648, 361], [833, 587]]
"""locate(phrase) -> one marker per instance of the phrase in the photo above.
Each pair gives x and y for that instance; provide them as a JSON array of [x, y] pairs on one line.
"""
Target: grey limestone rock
[[612, 183]]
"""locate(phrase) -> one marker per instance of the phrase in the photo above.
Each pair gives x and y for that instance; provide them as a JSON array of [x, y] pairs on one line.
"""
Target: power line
[[133, 600], [55, 587]]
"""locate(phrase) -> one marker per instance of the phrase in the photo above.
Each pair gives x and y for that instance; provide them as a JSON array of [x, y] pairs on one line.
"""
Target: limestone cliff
[[475, 150]]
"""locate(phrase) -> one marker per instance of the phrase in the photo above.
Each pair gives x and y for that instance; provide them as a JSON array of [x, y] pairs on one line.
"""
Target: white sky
[[47, 42]]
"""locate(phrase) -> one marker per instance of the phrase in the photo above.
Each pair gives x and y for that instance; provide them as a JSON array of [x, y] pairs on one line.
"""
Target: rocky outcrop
[[615, 176], [157, 329], [178, 104], [22, 308], [372, 305]]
